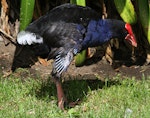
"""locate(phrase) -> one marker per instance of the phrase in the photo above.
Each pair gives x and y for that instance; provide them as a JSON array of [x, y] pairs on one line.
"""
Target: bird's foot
[[63, 103], [73, 104]]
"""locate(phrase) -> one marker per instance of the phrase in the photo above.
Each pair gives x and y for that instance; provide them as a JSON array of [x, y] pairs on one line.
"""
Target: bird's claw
[[61, 104], [73, 104]]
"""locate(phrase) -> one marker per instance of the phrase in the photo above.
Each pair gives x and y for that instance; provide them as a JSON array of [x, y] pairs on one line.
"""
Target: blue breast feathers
[[97, 33]]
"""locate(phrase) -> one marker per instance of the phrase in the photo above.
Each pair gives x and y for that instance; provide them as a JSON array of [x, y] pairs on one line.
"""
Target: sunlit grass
[[34, 98]]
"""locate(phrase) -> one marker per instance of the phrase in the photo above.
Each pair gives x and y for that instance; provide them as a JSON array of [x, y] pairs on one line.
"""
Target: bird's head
[[120, 29], [130, 35], [113, 28]]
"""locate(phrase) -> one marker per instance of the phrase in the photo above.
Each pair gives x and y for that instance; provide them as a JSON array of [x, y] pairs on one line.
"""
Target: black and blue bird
[[68, 29]]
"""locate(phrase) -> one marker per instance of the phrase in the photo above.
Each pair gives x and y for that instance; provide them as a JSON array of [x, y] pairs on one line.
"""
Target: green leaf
[[80, 58], [26, 13], [81, 2], [144, 14], [126, 10], [78, 2], [73, 1]]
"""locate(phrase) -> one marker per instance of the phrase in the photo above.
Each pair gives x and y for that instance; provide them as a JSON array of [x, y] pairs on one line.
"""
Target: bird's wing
[[73, 14], [62, 62], [68, 13], [65, 41]]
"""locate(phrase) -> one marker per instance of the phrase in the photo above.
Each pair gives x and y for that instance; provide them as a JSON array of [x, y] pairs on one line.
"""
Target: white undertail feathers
[[28, 38]]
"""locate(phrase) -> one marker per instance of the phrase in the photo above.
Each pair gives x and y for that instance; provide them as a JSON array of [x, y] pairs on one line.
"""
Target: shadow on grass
[[74, 89]]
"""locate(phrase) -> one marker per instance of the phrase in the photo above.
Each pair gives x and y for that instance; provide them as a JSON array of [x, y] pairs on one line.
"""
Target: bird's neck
[[100, 32]]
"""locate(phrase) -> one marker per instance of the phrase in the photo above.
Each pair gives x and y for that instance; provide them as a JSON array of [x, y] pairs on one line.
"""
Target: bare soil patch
[[94, 68]]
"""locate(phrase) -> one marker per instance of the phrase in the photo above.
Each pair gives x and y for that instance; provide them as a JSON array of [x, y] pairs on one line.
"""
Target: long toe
[[61, 104], [73, 104]]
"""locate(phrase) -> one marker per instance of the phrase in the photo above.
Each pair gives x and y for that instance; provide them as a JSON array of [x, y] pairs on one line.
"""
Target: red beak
[[131, 39], [130, 36]]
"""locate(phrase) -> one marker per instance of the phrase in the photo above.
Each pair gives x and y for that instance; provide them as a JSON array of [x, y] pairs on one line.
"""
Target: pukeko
[[67, 30]]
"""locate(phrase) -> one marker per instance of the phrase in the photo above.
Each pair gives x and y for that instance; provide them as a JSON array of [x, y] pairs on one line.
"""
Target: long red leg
[[60, 94]]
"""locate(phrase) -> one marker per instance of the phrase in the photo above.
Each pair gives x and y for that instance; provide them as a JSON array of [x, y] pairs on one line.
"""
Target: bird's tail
[[28, 38]]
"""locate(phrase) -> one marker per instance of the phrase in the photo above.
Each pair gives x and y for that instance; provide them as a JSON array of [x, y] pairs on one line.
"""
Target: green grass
[[34, 98]]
